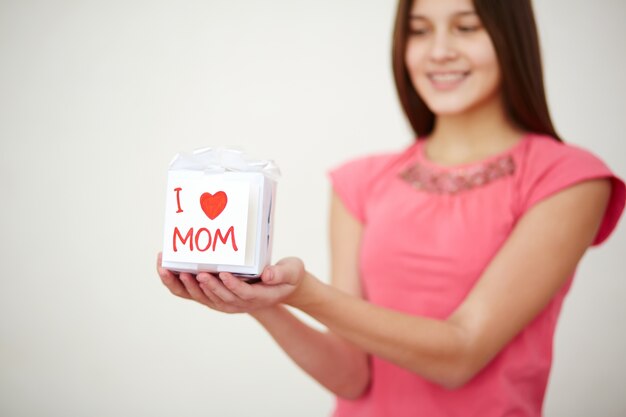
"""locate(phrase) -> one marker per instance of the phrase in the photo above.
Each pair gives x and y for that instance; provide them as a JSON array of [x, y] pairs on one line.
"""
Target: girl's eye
[[418, 31], [467, 29]]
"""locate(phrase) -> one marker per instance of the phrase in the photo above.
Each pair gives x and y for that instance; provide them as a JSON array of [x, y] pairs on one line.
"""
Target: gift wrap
[[219, 213]]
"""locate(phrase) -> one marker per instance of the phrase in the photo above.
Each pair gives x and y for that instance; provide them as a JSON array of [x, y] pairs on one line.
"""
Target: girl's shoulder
[[543, 159], [543, 151], [354, 179], [545, 166], [366, 168]]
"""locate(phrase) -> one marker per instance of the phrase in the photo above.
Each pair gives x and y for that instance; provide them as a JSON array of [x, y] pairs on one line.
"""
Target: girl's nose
[[442, 48]]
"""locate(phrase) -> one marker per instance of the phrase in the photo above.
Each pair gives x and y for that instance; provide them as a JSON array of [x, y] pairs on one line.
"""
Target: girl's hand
[[230, 294]]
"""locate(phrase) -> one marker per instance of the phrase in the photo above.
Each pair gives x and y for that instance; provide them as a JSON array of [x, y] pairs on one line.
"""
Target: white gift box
[[219, 213]]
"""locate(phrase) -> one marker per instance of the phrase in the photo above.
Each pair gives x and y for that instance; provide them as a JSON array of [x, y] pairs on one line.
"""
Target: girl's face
[[450, 57]]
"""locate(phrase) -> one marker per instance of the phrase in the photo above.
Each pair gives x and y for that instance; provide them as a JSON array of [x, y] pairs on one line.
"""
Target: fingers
[[238, 287], [171, 281], [238, 295], [217, 302], [193, 288], [231, 294], [214, 286], [227, 294]]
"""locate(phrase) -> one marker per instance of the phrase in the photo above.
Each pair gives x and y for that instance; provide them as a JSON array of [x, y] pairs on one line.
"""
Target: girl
[[451, 259]]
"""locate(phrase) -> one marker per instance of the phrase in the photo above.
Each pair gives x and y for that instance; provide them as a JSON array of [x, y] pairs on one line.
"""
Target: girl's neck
[[472, 135]]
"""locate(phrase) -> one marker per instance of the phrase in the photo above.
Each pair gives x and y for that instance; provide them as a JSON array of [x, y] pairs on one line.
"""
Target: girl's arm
[[533, 264], [330, 359], [537, 259], [333, 361], [326, 357]]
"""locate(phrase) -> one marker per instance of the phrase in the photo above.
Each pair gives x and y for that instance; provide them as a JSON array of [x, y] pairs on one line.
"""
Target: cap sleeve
[[351, 181], [559, 166]]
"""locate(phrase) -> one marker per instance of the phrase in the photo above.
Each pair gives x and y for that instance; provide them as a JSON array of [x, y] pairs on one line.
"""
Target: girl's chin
[[449, 110], [447, 104], [455, 106]]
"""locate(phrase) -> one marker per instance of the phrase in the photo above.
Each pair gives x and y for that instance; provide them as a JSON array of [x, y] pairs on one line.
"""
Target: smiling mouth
[[447, 80]]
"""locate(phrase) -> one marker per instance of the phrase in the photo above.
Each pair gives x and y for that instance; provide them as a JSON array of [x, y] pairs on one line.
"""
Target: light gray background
[[95, 99]]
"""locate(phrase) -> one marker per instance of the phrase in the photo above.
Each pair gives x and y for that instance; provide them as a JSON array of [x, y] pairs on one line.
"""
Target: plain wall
[[96, 97]]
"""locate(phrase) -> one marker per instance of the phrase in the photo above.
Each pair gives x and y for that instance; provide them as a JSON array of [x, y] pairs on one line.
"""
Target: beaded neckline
[[429, 177]]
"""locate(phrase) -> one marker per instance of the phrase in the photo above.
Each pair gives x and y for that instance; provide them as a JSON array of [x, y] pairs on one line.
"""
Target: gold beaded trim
[[462, 179]]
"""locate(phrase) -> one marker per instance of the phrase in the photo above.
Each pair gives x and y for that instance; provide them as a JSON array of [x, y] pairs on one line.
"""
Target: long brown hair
[[513, 31]]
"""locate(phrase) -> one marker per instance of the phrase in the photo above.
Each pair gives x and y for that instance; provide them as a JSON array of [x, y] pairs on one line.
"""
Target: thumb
[[286, 271]]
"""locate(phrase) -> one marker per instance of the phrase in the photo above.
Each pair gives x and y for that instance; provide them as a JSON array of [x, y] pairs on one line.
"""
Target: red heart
[[213, 205]]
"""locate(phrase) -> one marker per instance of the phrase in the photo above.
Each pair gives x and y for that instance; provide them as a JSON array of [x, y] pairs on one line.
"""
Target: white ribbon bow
[[221, 160]]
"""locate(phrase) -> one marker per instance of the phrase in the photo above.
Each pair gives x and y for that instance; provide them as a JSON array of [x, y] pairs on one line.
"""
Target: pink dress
[[429, 232]]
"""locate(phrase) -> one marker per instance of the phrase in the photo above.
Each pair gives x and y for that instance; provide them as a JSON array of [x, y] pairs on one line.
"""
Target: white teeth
[[447, 77]]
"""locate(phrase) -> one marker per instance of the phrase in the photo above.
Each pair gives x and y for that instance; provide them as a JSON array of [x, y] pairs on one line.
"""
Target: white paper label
[[206, 219]]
